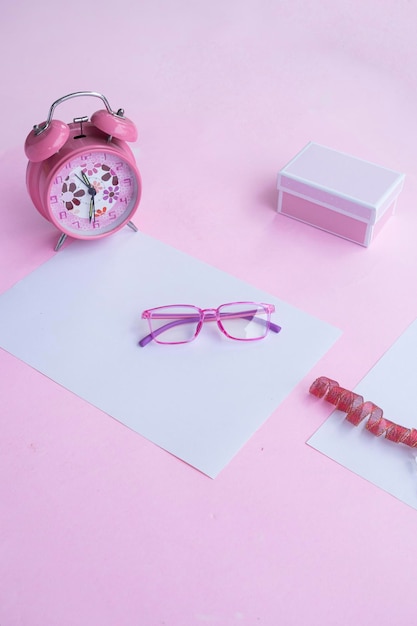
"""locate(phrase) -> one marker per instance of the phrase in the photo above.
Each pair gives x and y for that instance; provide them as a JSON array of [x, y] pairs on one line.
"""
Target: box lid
[[343, 182]]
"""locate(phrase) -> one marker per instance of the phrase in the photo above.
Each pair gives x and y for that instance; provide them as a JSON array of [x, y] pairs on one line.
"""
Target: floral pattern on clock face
[[93, 193]]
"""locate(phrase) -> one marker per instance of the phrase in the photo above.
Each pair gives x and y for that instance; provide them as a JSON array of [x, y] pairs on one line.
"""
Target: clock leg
[[60, 241], [132, 226]]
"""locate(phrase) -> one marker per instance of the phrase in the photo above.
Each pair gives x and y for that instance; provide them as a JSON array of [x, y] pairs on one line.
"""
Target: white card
[[390, 385], [77, 319]]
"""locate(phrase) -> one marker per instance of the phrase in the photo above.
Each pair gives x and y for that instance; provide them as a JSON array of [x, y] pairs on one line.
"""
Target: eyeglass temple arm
[[189, 320], [192, 320]]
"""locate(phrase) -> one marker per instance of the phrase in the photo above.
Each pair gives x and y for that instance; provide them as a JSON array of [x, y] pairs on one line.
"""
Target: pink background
[[99, 526]]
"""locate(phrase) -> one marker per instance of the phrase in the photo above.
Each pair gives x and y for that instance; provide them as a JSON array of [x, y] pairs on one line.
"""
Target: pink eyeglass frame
[[204, 315]]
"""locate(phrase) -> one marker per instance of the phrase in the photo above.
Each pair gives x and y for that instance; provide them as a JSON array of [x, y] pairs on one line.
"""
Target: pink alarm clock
[[82, 176]]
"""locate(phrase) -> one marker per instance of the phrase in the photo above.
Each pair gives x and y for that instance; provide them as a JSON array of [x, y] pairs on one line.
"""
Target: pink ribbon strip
[[357, 410]]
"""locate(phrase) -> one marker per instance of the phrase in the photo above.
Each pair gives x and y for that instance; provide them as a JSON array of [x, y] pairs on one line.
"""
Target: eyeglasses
[[181, 323]]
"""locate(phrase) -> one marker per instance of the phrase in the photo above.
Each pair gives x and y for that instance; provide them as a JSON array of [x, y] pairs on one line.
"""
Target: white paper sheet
[[391, 385], [77, 320]]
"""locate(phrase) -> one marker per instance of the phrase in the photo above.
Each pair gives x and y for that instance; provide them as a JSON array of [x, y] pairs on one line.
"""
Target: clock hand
[[92, 211], [82, 181], [85, 179], [92, 191]]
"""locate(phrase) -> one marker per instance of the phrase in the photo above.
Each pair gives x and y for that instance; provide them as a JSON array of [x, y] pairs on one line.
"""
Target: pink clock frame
[[54, 145]]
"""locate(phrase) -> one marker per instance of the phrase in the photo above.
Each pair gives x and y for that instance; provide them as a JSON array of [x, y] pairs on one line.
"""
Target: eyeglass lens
[[244, 321], [178, 323]]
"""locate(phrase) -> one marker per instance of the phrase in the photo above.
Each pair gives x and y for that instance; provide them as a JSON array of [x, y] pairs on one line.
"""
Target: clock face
[[93, 194]]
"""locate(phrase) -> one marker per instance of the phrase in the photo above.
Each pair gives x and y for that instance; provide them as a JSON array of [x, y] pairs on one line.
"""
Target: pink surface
[[97, 525]]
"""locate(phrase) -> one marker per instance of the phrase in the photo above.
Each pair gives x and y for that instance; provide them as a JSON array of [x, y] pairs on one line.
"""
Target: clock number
[[77, 224], [112, 215], [127, 182], [96, 225], [62, 215], [58, 180], [53, 199]]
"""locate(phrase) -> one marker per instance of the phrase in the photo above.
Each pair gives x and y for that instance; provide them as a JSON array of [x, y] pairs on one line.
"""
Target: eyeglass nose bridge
[[208, 314]]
